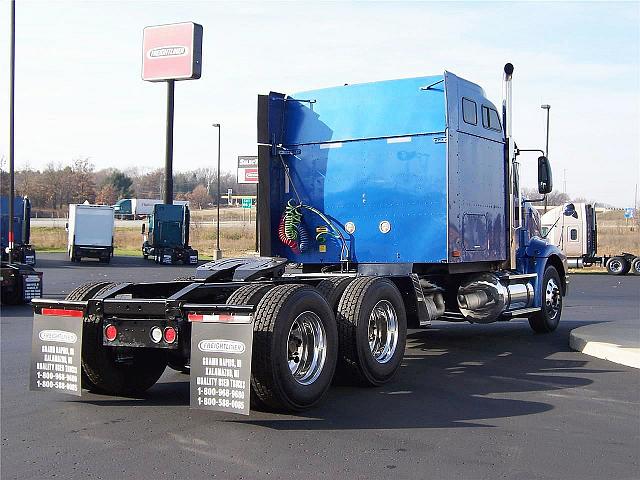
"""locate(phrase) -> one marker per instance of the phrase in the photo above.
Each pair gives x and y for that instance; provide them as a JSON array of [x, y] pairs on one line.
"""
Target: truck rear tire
[[251, 295], [80, 293], [118, 370], [332, 289], [372, 329], [548, 318], [618, 266], [295, 347], [635, 266]]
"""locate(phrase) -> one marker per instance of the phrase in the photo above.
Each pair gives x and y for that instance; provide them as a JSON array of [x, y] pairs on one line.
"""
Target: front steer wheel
[[548, 318], [295, 347]]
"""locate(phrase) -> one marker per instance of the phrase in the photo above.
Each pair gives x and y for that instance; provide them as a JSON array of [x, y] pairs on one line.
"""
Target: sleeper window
[[490, 119], [469, 111]]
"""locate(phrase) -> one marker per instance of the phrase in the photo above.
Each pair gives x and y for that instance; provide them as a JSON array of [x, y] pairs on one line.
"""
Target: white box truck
[[90, 230]]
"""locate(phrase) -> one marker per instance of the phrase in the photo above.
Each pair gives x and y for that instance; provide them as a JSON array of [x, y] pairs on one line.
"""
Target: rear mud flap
[[56, 354], [221, 347]]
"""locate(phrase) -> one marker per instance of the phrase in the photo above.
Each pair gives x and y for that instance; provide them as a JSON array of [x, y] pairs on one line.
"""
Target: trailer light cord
[[291, 222]]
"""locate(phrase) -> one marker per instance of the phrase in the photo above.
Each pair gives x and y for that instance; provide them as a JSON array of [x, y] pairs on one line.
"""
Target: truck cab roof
[[391, 108]]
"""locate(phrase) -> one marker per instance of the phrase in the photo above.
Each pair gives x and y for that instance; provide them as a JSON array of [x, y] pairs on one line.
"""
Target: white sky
[[79, 92]]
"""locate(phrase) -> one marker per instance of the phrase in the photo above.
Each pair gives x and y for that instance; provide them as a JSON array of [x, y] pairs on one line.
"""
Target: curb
[[607, 342]]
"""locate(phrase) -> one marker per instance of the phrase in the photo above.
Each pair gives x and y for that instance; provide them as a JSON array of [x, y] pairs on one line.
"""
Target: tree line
[[58, 185]]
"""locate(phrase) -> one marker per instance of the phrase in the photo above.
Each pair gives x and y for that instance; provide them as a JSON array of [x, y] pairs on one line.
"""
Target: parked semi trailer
[[23, 252], [577, 236], [20, 283], [90, 232], [401, 202], [167, 237], [132, 208]]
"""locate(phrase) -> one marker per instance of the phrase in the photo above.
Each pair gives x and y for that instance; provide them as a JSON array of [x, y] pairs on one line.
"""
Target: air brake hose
[[283, 236]]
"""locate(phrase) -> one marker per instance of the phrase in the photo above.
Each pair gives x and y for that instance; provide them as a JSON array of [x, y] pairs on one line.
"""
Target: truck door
[[573, 243]]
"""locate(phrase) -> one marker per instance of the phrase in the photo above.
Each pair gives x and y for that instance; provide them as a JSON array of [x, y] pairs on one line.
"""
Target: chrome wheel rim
[[306, 348], [552, 298], [615, 266], [383, 331]]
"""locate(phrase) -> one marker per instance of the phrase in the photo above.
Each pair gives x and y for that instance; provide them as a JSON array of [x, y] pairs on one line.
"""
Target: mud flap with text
[[56, 354], [221, 348]]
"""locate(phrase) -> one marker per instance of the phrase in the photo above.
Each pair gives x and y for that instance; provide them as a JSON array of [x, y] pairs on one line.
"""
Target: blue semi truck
[[399, 201], [23, 252]]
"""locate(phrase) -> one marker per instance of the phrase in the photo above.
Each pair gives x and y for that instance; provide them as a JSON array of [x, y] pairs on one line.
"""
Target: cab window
[[573, 234], [469, 111], [490, 119]]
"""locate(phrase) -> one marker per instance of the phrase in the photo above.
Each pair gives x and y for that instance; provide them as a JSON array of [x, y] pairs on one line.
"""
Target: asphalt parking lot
[[470, 402]]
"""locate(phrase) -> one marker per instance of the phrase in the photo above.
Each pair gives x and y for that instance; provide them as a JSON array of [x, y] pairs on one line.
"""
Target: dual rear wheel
[[303, 334]]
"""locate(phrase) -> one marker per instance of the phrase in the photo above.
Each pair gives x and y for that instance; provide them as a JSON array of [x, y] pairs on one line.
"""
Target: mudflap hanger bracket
[[242, 269]]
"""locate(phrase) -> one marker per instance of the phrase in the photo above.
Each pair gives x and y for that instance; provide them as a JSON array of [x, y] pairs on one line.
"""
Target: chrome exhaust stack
[[514, 196]]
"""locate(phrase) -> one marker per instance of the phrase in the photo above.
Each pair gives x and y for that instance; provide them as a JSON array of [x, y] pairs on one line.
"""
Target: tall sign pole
[[12, 75], [168, 157], [217, 253], [169, 53]]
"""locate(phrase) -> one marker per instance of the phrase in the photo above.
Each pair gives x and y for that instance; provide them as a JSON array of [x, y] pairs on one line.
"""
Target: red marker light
[[111, 332], [62, 312], [170, 334]]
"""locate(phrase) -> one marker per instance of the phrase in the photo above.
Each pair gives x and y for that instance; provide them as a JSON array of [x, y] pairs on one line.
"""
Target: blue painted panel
[[476, 178], [18, 208], [367, 182], [349, 164], [368, 110]]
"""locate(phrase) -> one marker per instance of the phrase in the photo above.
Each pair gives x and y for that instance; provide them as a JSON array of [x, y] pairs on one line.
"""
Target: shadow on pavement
[[452, 376]]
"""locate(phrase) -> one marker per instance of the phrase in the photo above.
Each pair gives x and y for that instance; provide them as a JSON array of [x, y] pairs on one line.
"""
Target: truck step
[[522, 311], [517, 276], [452, 317]]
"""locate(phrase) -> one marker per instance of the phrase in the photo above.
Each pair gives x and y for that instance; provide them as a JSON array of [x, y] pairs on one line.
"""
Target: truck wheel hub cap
[[383, 331], [552, 298], [616, 266], [307, 348]]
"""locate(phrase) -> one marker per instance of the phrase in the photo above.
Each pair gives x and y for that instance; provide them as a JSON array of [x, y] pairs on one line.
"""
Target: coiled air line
[[292, 233]]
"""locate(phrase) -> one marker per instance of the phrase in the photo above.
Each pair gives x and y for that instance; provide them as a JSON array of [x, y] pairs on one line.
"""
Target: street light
[[217, 253]]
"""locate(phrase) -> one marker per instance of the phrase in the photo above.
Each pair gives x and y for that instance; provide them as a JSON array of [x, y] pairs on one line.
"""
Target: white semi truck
[[136, 208], [576, 234], [90, 230]]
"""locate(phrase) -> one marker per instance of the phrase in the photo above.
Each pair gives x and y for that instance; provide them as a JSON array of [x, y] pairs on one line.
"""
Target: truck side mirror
[[570, 210], [545, 180], [66, 226], [143, 229]]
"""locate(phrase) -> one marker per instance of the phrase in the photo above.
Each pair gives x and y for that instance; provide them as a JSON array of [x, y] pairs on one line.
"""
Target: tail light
[[170, 334], [110, 333]]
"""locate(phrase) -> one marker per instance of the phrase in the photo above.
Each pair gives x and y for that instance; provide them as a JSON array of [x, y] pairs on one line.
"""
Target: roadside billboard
[[247, 169], [172, 52]]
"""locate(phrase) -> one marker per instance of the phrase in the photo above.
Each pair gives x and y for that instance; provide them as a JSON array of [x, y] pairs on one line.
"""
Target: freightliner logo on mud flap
[[221, 346]]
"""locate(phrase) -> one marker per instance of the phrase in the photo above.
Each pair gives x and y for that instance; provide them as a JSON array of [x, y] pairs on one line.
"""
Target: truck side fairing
[[390, 160]]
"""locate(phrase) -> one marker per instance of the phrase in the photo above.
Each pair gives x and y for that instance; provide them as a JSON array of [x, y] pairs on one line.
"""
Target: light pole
[[12, 69], [546, 150], [217, 253]]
